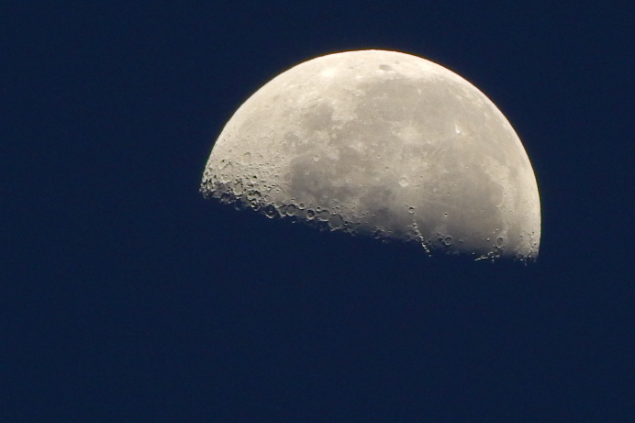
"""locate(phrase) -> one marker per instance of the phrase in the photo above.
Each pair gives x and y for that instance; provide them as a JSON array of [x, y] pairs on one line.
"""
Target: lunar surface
[[384, 144]]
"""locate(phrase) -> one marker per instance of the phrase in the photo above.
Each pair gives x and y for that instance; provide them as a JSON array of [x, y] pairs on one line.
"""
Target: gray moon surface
[[385, 144]]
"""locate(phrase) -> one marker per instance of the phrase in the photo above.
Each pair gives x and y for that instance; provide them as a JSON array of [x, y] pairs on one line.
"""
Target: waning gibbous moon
[[385, 144]]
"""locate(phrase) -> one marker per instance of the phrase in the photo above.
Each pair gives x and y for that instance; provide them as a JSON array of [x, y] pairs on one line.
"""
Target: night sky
[[127, 297]]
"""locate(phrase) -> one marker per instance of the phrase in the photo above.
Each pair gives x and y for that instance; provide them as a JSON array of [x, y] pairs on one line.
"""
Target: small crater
[[335, 222], [292, 210], [322, 216], [447, 241], [404, 182], [271, 211], [238, 187]]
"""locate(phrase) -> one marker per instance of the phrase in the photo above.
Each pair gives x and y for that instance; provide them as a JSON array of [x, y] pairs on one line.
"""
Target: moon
[[383, 144]]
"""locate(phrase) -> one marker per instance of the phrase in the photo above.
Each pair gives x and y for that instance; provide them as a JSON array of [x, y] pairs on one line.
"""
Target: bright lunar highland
[[384, 144]]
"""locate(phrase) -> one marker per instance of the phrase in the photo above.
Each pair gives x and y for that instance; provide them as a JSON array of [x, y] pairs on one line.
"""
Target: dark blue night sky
[[126, 297]]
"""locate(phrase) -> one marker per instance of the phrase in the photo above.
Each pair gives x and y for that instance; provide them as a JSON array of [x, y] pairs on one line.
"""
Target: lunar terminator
[[385, 144]]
